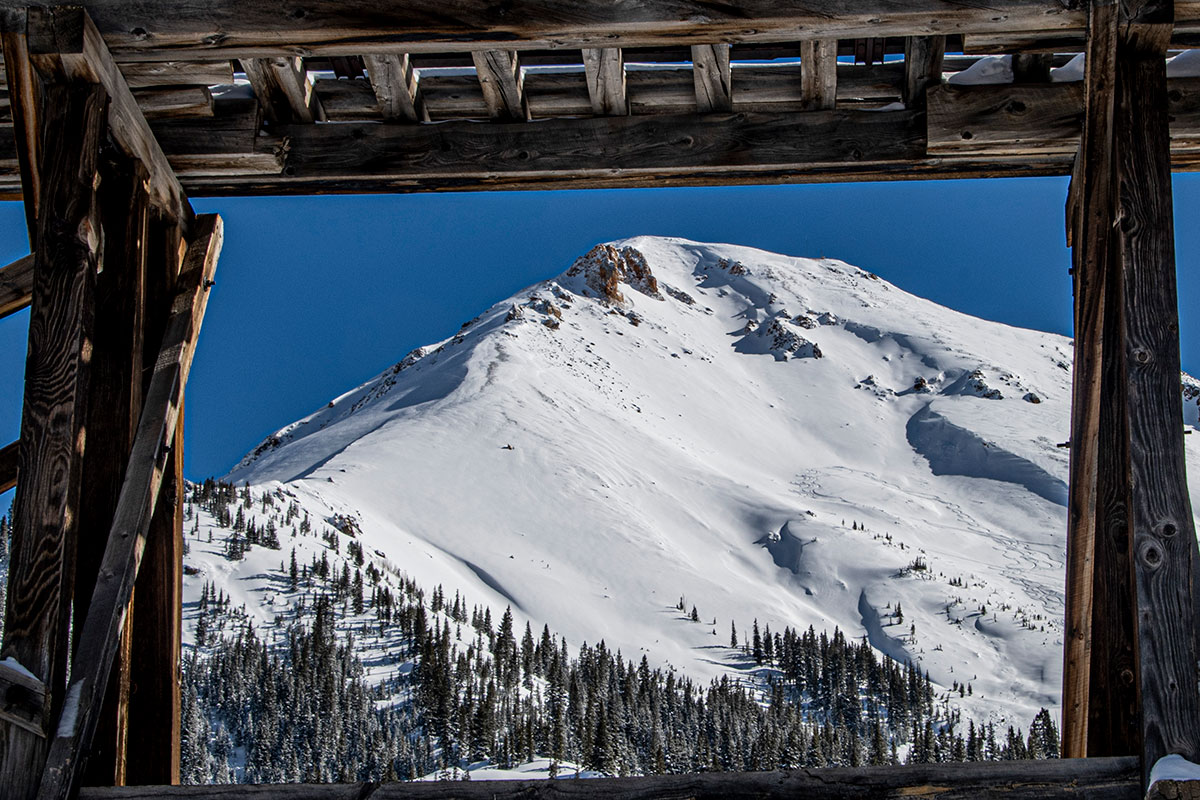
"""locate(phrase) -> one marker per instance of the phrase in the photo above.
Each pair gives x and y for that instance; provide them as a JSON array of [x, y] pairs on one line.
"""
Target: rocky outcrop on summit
[[605, 267]]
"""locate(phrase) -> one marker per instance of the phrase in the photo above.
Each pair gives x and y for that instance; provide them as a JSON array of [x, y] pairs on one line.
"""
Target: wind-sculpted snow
[[655, 422], [952, 450]]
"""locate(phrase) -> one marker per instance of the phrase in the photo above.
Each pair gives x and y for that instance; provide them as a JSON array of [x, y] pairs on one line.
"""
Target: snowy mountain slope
[[789, 440]]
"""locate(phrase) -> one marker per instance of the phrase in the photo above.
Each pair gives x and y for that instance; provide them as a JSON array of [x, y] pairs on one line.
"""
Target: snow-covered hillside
[[783, 439]]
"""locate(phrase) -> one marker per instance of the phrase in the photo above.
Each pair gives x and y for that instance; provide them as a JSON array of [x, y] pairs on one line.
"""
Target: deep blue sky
[[315, 295]]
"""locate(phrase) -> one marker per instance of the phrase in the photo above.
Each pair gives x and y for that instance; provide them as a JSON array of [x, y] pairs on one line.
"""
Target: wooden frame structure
[[114, 114]]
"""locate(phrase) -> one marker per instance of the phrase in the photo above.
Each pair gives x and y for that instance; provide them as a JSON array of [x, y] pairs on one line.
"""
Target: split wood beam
[[53, 435], [138, 31], [157, 428], [503, 84], [396, 88], [24, 98], [605, 71], [818, 74], [8, 471], [713, 77], [66, 47], [283, 89], [922, 67], [1131, 663], [16, 285]]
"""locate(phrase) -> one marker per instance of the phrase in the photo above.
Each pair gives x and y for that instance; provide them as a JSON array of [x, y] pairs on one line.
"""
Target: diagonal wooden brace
[[127, 540]]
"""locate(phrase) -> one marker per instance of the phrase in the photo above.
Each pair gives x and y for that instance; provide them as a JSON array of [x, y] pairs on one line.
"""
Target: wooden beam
[[16, 285], [50, 460], [127, 539], [8, 466], [1005, 119], [66, 47], [141, 75], [818, 74], [283, 89], [25, 103], [605, 71], [113, 409], [22, 698], [712, 76], [158, 31], [922, 67], [1107, 778], [175, 102], [503, 85], [1032, 67], [397, 92]]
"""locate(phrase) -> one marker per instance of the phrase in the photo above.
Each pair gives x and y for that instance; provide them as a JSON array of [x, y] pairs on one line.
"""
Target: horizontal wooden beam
[[8, 466], [65, 46], [158, 31], [22, 696], [16, 285], [1108, 778]]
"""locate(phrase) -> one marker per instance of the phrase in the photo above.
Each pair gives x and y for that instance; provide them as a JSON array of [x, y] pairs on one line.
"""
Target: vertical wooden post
[[53, 434], [1131, 669], [154, 706], [25, 101], [113, 411]]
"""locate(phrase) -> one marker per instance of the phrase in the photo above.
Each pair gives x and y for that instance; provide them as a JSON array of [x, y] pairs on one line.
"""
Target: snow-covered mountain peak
[[784, 439]]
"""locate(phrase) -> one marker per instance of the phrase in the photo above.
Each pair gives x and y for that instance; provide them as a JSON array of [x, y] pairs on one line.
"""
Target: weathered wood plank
[[126, 542], [154, 710], [502, 83], [605, 70], [396, 89], [50, 460], [712, 76], [140, 75], [240, 28], [1097, 779], [1164, 549], [1013, 119], [65, 46], [184, 101], [922, 67], [22, 697], [819, 74], [283, 89], [25, 104], [8, 466], [113, 409], [16, 285]]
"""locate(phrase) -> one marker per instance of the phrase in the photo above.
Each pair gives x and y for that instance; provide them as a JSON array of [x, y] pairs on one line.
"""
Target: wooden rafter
[[922, 67], [818, 74], [283, 89], [397, 91], [127, 540], [503, 84], [16, 285], [605, 71], [713, 77]]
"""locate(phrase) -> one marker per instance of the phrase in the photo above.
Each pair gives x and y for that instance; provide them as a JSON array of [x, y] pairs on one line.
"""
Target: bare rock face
[[787, 343], [604, 268]]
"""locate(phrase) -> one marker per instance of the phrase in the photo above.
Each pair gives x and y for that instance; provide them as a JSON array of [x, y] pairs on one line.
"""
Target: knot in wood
[[1016, 107], [1151, 555], [1167, 529], [1127, 676], [1141, 356]]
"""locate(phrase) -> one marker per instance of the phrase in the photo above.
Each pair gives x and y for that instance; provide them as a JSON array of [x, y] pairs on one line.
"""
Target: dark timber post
[[53, 433], [1131, 674]]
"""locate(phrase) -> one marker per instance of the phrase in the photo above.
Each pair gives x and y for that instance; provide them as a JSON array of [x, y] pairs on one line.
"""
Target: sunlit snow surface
[[704, 452]]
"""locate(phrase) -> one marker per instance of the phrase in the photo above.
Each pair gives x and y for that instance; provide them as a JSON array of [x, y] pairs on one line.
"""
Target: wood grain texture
[[922, 67], [141, 31], [113, 409], [126, 541], [394, 83], [283, 89], [140, 75], [1010, 119], [1096, 779], [22, 698], [53, 435], [502, 84], [173, 102], [66, 47], [819, 74], [8, 466], [16, 285], [712, 77], [25, 103], [1164, 538], [604, 68]]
